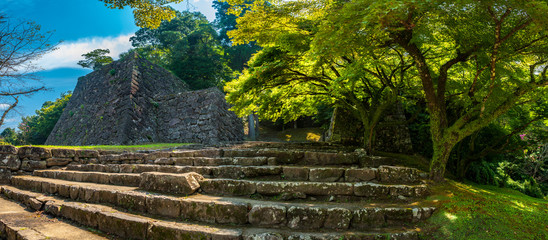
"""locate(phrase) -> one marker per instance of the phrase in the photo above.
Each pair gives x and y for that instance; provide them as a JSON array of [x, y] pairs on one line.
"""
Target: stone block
[[360, 175], [168, 230], [228, 187], [86, 194], [5, 175], [308, 188], [394, 174], [184, 183], [131, 156], [113, 168], [48, 187], [337, 218], [156, 155], [164, 161], [33, 153], [87, 154], [74, 191], [268, 215], [203, 170], [34, 204], [264, 236], [163, 206], [371, 190], [63, 153], [58, 161], [8, 149], [123, 225], [131, 200], [261, 171], [52, 208], [182, 154], [210, 153], [11, 161], [325, 174], [408, 191], [398, 215], [127, 179], [296, 173], [282, 156], [305, 217], [31, 165], [106, 196], [367, 218], [250, 161], [80, 213], [231, 213], [63, 190], [228, 172], [202, 211]]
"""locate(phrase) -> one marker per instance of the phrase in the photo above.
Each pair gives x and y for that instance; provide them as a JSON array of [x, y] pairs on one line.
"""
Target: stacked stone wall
[[133, 101]]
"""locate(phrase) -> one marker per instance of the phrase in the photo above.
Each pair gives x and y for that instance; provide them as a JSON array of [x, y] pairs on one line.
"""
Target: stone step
[[227, 210], [133, 226], [217, 161], [121, 179], [384, 174], [232, 187], [18, 223]]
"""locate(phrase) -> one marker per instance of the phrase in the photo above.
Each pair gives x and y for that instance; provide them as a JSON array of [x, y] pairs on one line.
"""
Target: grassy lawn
[[470, 211], [117, 147]]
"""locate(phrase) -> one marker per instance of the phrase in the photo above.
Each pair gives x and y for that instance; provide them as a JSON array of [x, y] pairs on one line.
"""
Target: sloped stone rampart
[[135, 101]]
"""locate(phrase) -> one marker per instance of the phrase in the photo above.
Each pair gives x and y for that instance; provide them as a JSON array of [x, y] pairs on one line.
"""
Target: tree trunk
[[443, 144], [439, 160]]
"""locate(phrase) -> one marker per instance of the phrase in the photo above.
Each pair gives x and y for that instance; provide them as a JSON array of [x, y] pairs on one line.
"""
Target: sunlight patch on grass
[[471, 211], [450, 216]]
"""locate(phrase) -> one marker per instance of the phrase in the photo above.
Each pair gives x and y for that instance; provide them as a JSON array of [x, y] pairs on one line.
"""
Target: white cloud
[[4, 106], [69, 53]]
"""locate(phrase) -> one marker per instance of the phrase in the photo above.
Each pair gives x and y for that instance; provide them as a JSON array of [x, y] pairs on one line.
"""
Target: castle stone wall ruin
[[134, 101]]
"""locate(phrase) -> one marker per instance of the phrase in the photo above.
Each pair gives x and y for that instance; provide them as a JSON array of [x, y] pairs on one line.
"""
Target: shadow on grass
[[471, 211]]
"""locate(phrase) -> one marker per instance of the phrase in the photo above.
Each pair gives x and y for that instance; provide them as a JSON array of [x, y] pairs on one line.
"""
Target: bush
[[499, 174]]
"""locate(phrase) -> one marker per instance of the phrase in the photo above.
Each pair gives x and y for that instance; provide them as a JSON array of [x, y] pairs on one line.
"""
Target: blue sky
[[80, 26]]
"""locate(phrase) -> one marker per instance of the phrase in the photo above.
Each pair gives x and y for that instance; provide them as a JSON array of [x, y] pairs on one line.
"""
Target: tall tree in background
[[294, 74], [35, 129], [95, 59], [188, 46], [485, 65], [20, 44], [147, 13], [236, 56]]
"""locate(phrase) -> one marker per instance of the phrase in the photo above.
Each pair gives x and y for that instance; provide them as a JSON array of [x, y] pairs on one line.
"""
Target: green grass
[[117, 147], [471, 211]]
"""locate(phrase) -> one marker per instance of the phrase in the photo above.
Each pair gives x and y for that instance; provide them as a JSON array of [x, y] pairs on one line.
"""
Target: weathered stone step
[[18, 223], [226, 210], [122, 179], [384, 174], [232, 187], [131, 226], [217, 161]]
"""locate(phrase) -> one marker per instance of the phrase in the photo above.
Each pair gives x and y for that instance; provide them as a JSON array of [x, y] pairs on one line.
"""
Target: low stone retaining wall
[[24, 160]]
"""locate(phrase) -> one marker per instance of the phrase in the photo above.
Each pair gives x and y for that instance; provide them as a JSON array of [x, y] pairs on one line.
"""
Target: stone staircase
[[228, 193]]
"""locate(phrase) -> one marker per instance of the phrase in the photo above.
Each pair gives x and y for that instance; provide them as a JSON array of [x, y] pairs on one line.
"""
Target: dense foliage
[[95, 59], [472, 60], [147, 13], [188, 46], [35, 129]]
